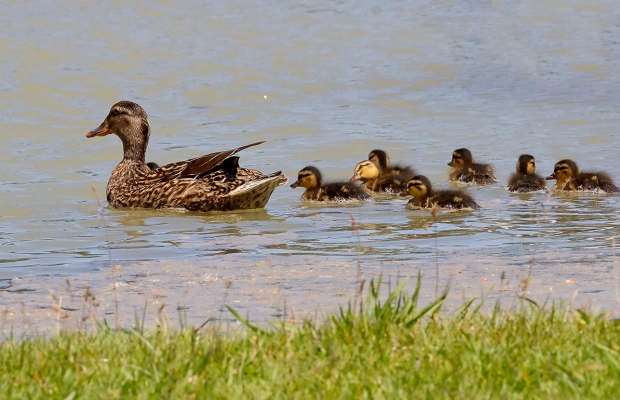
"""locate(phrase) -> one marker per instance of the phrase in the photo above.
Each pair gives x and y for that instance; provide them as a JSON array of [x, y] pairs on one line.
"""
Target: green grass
[[391, 349]]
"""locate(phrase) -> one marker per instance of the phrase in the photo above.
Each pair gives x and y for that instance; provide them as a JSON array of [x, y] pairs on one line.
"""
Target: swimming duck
[[526, 179], [311, 179], [382, 161], [211, 182], [371, 177], [425, 197], [568, 177], [465, 170]]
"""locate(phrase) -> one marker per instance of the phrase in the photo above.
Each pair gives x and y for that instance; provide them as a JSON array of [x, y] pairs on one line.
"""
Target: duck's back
[[400, 171], [523, 183], [481, 174], [455, 199], [342, 191], [596, 181]]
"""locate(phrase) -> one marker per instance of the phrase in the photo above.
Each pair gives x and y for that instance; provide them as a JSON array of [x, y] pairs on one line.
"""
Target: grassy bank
[[392, 349]]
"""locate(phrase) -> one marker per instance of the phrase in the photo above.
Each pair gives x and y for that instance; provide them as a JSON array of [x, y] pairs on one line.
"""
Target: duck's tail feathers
[[255, 194]]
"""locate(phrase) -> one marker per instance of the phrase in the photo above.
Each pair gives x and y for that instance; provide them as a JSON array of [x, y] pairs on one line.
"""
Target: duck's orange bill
[[101, 130]]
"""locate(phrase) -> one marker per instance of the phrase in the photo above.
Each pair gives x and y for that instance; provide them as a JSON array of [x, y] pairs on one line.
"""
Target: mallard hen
[[526, 179], [211, 182], [464, 169], [424, 197], [311, 179], [568, 177]]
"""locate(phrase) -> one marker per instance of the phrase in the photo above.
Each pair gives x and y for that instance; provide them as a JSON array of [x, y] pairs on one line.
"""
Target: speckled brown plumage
[[311, 179], [424, 197], [569, 178], [211, 182], [525, 179], [464, 169]]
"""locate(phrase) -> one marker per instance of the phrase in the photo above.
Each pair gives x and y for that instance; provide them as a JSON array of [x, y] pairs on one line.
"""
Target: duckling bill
[[569, 178], [525, 179], [311, 179], [211, 182], [424, 196], [464, 169]]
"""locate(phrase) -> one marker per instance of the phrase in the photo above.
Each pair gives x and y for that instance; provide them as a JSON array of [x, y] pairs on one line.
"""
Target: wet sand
[[270, 289]]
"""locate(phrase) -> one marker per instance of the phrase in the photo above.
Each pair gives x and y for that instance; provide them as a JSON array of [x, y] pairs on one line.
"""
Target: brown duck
[[568, 177], [311, 179], [464, 169], [425, 197], [211, 182], [526, 179]]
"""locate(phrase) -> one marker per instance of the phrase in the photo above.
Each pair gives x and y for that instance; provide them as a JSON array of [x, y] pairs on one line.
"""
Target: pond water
[[323, 83]]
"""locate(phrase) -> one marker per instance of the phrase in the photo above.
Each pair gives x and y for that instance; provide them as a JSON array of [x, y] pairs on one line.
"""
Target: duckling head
[[526, 165], [461, 158], [419, 186], [379, 158], [309, 178], [564, 170], [365, 171], [129, 122]]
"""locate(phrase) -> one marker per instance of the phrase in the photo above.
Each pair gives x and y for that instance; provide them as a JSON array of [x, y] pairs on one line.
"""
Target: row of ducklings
[[378, 175]]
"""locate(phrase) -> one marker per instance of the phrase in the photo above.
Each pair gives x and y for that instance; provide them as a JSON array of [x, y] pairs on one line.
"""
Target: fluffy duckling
[[568, 177], [464, 169], [526, 179], [382, 161], [425, 197], [373, 180], [152, 165], [311, 179]]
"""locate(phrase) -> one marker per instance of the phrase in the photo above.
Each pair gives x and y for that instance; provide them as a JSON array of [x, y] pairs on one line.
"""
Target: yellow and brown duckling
[[211, 182], [425, 197], [397, 170], [568, 177], [526, 179], [311, 179], [378, 179], [464, 169]]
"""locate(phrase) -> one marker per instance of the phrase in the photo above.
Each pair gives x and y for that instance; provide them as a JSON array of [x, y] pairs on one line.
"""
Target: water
[[323, 83]]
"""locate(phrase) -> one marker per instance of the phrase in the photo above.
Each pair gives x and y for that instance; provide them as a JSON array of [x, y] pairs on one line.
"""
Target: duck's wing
[[200, 166]]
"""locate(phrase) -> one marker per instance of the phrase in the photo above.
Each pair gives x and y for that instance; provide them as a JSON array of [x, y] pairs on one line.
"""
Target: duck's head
[[365, 171], [461, 158], [526, 165], [564, 170], [129, 122], [379, 158], [308, 178], [419, 186]]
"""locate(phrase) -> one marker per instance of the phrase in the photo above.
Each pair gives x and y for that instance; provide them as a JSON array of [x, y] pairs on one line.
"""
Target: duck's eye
[[115, 111]]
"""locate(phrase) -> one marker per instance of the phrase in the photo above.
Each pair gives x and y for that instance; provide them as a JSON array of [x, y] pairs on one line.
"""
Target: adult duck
[[211, 182]]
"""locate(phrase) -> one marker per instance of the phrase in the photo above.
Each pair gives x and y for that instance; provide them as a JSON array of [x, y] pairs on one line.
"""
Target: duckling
[[369, 174], [425, 197], [568, 177], [464, 169], [152, 165], [311, 179], [382, 161], [526, 179]]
